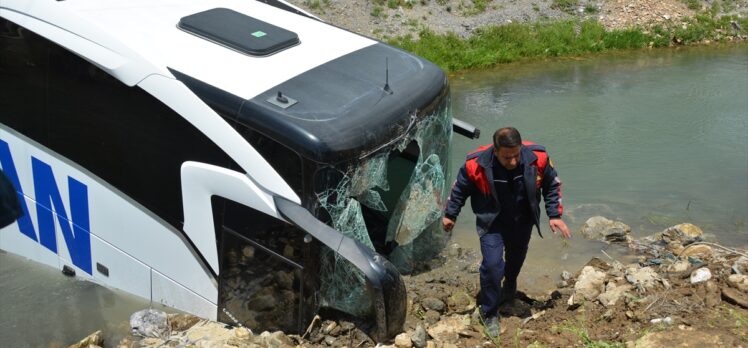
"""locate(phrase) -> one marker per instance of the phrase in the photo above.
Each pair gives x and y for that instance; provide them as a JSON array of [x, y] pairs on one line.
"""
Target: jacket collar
[[486, 158]]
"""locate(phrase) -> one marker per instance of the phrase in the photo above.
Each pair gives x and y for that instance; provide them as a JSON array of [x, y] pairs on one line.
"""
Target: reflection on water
[[651, 138], [39, 307]]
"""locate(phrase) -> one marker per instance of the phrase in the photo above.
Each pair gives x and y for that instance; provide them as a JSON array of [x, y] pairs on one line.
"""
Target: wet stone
[[419, 337], [149, 323], [262, 303], [565, 275], [431, 317], [432, 303]]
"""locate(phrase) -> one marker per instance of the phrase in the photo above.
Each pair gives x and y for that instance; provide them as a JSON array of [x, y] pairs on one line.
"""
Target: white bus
[[235, 159]]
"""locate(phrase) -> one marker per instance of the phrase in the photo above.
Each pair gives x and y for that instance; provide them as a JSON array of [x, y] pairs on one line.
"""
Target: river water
[[650, 138]]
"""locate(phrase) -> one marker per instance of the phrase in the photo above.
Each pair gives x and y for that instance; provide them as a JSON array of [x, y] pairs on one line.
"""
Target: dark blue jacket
[[475, 180]]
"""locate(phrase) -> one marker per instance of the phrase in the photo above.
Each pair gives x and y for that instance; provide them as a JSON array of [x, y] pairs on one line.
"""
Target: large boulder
[[589, 285], [609, 231]]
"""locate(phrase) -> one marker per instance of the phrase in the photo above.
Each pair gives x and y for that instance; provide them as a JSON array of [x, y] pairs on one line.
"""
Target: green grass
[[585, 337], [318, 5], [376, 11], [693, 4], [478, 7], [522, 41], [567, 6]]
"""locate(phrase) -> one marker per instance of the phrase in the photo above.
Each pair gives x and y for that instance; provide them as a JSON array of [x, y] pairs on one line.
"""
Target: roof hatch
[[239, 32]]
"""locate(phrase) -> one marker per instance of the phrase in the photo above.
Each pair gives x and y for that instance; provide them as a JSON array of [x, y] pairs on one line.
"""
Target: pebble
[[665, 320], [701, 275]]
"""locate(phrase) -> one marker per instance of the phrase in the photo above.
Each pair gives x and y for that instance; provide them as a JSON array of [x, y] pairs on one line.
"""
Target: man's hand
[[448, 224], [559, 225]]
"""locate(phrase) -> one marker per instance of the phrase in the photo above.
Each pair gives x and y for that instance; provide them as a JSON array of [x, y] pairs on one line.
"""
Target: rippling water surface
[[651, 138]]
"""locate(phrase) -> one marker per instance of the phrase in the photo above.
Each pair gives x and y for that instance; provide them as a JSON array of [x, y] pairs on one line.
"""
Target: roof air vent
[[238, 32]]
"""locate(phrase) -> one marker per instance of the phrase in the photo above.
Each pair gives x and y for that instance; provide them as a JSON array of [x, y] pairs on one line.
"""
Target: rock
[[328, 326], [700, 275], [419, 337], [599, 264], [181, 322], [678, 266], [685, 233], [460, 301], [565, 275], [94, 339], [740, 266], [403, 341], [613, 293], [642, 278], [329, 340], [430, 344], [209, 330], [431, 317], [248, 252], [609, 231], [448, 329], [562, 284], [665, 320], [242, 333], [262, 303], [454, 250], [589, 285], [433, 304], [682, 339], [151, 342], [284, 280], [735, 297], [697, 250], [274, 340], [149, 323], [738, 281]]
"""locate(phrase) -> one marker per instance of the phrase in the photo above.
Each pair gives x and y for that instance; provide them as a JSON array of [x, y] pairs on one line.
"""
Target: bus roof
[[145, 38]]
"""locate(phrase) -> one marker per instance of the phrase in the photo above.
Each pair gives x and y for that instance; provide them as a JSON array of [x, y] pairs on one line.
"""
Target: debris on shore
[[684, 289]]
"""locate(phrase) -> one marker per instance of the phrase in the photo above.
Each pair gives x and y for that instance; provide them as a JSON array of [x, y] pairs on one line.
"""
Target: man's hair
[[507, 137]]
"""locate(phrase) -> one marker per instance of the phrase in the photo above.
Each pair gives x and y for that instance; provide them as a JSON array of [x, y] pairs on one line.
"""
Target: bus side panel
[[170, 293], [124, 272], [106, 228]]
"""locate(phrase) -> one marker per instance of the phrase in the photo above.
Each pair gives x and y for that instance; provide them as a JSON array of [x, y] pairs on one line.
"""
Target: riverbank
[[459, 34], [684, 289]]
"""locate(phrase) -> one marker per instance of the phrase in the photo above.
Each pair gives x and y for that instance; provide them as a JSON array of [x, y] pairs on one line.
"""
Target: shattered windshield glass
[[391, 202]]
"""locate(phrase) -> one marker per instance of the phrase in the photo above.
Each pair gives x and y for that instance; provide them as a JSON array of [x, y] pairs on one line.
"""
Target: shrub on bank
[[493, 45]]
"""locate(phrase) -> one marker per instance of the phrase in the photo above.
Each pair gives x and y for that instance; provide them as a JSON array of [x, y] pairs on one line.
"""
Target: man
[[504, 182]]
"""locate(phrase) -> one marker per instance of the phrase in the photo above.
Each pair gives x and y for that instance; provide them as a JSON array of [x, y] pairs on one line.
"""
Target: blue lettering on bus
[[49, 205]]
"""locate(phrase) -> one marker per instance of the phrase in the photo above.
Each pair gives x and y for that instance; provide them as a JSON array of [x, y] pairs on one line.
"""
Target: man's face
[[508, 156]]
